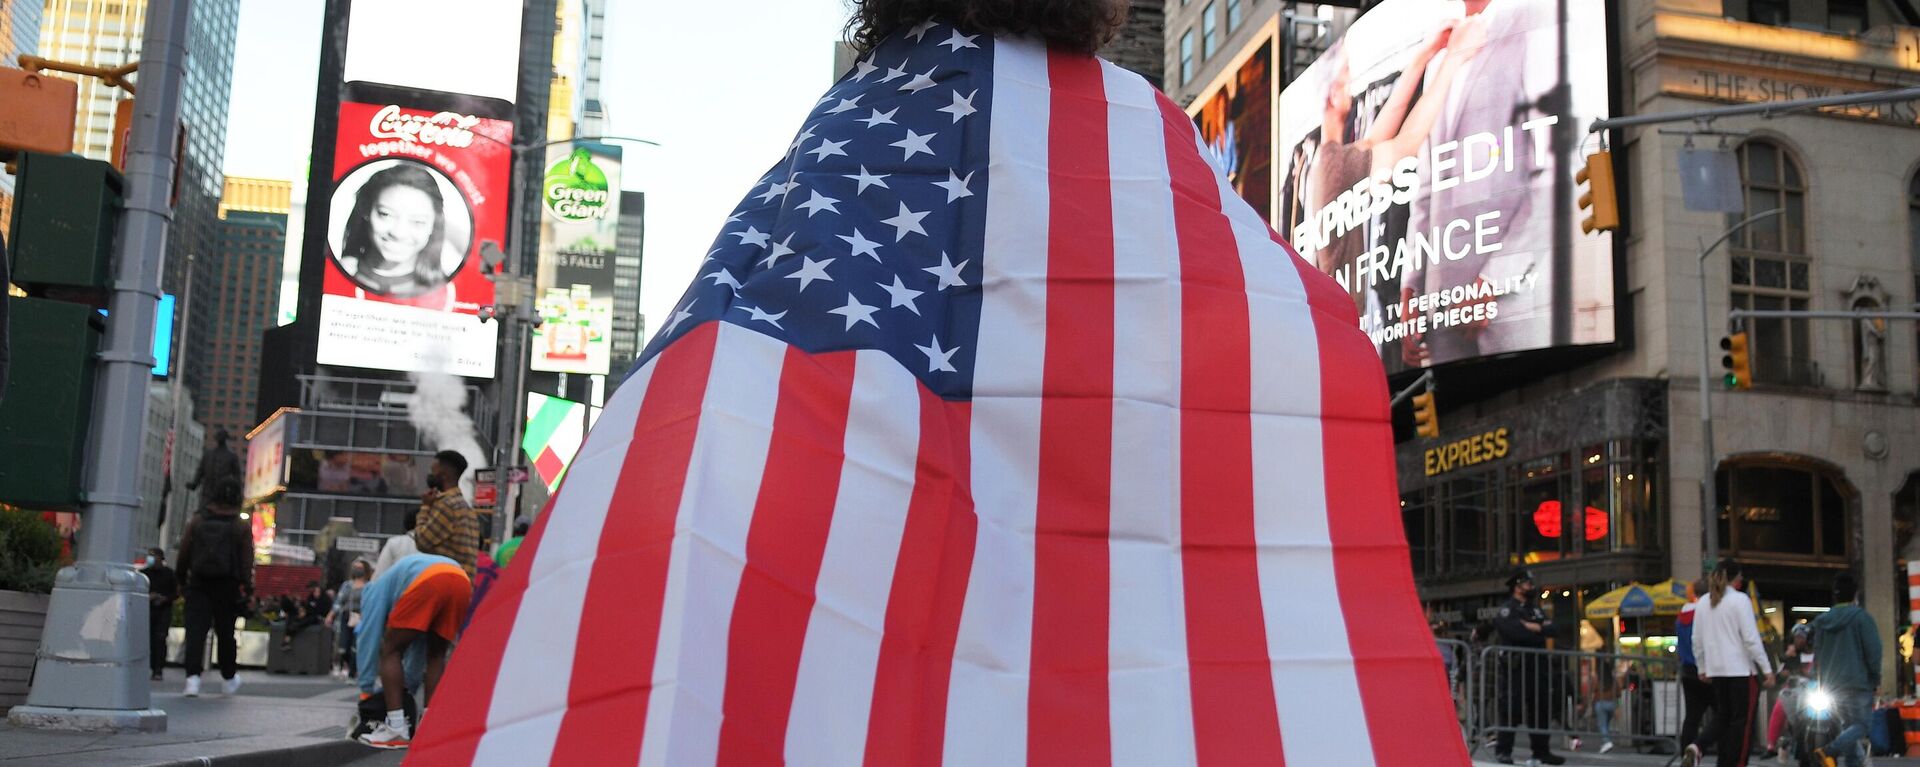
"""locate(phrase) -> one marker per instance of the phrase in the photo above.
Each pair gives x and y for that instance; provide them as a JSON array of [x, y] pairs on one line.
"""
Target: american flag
[[994, 431]]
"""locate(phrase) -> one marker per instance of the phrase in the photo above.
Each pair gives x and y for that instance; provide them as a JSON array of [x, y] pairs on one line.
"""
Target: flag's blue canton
[[870, 233]]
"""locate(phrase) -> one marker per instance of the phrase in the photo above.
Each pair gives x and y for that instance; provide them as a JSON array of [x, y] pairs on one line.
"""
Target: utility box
[[49, 399], [66, 217], [40, 111]]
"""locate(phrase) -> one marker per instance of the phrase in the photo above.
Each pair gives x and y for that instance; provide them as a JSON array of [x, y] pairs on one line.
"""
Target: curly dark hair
[[1079, 25]]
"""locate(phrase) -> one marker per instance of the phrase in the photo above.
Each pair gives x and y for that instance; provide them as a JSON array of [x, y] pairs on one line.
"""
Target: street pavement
[[1619, 758], [274, 721]]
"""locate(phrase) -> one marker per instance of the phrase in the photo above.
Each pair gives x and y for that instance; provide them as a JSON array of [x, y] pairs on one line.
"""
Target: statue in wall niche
[[1869, 334]]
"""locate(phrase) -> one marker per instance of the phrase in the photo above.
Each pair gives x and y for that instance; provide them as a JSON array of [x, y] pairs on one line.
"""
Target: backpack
[[213, 547]]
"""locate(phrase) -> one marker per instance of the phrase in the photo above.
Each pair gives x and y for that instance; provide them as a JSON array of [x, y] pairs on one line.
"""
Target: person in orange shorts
[[409, 617]]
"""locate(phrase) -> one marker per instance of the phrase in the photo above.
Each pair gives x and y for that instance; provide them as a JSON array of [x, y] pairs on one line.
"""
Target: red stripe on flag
[[466, 695], [908, 721], [1067, 701], [1235, 717], [785, 544], [607, 701], [1403, 686]]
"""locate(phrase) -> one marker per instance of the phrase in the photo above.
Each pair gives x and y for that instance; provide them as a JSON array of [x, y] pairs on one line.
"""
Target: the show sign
[[1417, 167], [1236, 122], [267, 457], [580, 203], [415, 192]]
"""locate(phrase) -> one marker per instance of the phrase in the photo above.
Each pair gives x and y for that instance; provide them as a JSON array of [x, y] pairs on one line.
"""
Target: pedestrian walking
[[447, 525], [409, 618], [216, 551], [1731, 657], [163, 589], [1696, 695], [1522, 623], [1847, 642], [1796, 664], [345, 616]]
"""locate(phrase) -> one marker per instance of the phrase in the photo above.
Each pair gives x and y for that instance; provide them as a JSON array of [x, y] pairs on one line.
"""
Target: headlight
[[1819, 701]]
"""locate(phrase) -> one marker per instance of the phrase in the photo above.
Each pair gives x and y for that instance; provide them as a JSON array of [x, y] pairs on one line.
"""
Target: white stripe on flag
[[1149, 687], [1297, 584], [709, 547], [530, 691], [833, 694], [987, 699]]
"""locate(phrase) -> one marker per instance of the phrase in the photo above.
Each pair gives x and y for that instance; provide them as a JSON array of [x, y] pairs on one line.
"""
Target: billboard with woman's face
[[415, 192], [1426, 163]]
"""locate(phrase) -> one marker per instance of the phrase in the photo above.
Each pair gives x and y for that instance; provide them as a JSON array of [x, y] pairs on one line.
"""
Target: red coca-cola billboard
[[415, 193]]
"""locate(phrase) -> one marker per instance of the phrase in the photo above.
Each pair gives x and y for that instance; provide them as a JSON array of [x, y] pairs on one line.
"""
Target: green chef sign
[[575, 189]]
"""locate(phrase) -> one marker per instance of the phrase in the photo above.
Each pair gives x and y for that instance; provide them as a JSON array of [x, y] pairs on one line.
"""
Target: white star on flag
[[779, 249], [778, 190], [948, 273], [902, 295], [920, 82], [753, 236], [856, 312], [828, 148], [862, 68], [724, 277], [862, 246], [819, 203], [804, 137], [956, 186], [961, 107], [845, 104], [868, 179], [915, 143], [907, 221], [879, 118], [958, 41], [895, 74], [920, 30], [811, 271], [754, 313], [938, 359], [679, 317]]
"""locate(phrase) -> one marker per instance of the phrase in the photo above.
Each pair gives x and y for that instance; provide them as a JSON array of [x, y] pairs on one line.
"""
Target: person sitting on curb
[[409, 617]]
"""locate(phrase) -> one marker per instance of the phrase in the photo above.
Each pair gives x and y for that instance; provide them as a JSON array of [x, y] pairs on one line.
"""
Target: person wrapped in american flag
[[995, 430]]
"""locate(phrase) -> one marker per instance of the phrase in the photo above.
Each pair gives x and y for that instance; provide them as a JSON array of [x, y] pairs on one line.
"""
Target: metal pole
[[92, 667], [1768, 109], [1709, 464], [506, 448], [1565, 136], [172, 512], [1740, 314]]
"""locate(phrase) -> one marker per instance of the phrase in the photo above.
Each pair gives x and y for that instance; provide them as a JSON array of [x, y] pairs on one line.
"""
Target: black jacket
[[1510, 619]]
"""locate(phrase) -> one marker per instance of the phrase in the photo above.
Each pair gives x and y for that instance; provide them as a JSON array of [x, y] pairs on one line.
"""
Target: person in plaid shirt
[[447, 526]]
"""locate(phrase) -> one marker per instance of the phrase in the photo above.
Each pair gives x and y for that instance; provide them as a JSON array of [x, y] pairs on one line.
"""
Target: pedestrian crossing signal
[[1738, 364], [1426, 415]]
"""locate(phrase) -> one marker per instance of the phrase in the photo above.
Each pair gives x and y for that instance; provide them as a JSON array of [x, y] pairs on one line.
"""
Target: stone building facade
[[1817, 466]]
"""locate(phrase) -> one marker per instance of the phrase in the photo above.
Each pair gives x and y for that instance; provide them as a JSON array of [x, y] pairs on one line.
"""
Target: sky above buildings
[[722, 85]]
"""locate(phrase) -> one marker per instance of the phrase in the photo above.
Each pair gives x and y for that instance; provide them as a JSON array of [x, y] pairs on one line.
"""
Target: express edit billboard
[[580, 215], [1418, 165]]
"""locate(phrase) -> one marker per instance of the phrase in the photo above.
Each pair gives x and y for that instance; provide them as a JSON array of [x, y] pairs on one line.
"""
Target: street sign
[[515, 474], [363, 545]]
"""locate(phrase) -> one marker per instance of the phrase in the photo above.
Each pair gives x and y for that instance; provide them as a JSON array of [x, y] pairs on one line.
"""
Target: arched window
[[1783, 508], [1770, 268]]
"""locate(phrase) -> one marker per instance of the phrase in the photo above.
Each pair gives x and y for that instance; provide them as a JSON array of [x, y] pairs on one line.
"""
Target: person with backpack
[[216, 557], [1847, 642]]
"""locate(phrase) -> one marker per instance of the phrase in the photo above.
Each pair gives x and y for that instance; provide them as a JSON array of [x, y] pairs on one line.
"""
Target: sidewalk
[[274, 721], [1587, 758]]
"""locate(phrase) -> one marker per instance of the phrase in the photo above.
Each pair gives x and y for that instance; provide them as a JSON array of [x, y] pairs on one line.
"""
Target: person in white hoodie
[[1731, 657]]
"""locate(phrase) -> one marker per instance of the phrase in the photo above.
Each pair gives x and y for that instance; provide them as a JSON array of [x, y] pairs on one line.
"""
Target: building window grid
[[1770, 268], [1234, 16], [1186, 57], [1209, 33]]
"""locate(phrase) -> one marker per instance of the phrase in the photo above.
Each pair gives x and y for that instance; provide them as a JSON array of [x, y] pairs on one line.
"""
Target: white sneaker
[[231, 686], [383, 736], [193, 687], [1607, 746]]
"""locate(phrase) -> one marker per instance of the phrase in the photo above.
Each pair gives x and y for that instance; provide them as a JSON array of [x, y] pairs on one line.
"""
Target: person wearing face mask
[[345, 616], [447, 526], [396, 237]]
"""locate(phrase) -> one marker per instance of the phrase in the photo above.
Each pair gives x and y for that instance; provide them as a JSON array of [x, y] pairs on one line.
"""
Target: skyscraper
[[109, 34], [243, 299], [19, 36], [629, 250]]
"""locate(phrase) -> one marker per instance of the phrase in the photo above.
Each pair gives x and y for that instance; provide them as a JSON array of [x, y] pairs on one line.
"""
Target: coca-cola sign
[[443, 128]]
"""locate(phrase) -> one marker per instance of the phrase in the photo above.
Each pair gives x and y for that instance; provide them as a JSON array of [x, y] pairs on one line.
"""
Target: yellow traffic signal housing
[[1600, 204], [1737, 362], [1426, 415]]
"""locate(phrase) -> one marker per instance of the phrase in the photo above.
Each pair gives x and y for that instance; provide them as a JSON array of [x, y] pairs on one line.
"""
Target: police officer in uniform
[[1522, 623]]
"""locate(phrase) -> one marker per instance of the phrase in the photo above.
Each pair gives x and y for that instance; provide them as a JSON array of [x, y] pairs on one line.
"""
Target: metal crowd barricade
[[1567, 694], [1461, 666]]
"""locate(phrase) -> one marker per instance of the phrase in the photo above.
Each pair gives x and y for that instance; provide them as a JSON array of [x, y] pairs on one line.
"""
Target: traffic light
[[1739, 366], [1426, 415], [1599, 203]]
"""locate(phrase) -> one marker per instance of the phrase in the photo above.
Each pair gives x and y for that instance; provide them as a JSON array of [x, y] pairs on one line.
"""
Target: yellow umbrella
[[1636, 600]]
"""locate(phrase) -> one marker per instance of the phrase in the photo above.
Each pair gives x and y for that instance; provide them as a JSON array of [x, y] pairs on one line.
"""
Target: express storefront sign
[[1471, 451]]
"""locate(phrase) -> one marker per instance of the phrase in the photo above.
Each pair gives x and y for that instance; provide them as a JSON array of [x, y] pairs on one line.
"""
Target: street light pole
[[1709, 465], [91, 673]]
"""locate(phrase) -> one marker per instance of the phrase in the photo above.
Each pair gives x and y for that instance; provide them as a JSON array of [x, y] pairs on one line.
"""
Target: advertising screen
[[1236, 121], [1417, 164], [580, 215], [415, 192]]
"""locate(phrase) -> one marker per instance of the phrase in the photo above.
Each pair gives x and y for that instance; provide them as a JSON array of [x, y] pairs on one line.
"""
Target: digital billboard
[[1417, 165], [580, 216], [1236, 122]]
